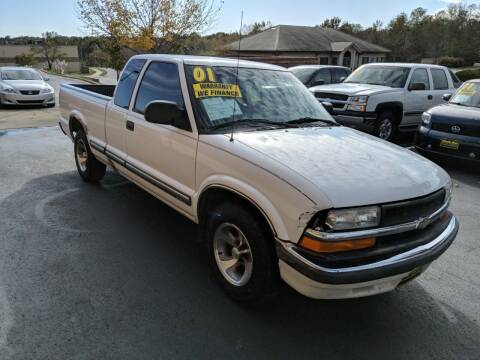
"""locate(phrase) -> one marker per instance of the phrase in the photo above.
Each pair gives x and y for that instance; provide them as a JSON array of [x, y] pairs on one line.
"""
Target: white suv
[[386, 98]]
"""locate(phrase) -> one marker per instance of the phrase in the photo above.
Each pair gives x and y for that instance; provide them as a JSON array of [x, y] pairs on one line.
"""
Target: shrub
[[25, 60], [465, 75], [451, 62]]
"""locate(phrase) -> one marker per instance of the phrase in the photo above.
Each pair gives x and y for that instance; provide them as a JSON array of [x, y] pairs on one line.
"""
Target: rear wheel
[[386, 127], [89, 168], [241, 253]]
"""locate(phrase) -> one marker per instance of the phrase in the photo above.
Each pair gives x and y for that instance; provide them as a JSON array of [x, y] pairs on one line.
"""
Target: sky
[[33, 17]]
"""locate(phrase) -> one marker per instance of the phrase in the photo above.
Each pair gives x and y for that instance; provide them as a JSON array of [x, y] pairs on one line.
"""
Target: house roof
[[304, 39]]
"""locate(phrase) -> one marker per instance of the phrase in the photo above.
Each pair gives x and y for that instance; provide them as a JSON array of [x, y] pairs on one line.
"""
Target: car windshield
[[23, 74], [391, 76], [257, 97], [303, 74], [467, 95]]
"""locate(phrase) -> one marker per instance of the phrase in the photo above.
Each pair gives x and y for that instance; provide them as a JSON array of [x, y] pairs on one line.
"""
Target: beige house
[[288, 45], [70, 55]]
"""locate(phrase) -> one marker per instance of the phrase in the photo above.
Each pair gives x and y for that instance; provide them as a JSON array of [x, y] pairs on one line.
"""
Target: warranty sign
[[205, 90]]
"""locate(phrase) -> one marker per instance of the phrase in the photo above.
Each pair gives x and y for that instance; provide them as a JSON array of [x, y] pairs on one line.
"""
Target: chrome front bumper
[[390, 272]]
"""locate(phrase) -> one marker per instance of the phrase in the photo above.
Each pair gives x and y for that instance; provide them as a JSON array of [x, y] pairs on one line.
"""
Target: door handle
[[130, 125], [430, 97]]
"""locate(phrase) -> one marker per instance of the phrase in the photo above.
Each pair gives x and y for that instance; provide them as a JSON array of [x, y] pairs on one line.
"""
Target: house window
[[335, 61], [324, 61]]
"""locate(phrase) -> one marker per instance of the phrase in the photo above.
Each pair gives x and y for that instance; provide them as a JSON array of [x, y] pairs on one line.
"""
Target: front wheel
[[241, 253], [386, 127], [89, 168]]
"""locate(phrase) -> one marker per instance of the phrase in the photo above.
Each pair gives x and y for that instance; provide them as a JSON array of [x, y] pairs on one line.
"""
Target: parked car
[[234, 146], [389, 97], [24, 86], [453, 129], [314, 75]]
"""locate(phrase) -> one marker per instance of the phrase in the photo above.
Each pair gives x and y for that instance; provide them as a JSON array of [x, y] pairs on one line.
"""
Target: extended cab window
[[440, 81], [420, 76], [160, 82], [127, 82]]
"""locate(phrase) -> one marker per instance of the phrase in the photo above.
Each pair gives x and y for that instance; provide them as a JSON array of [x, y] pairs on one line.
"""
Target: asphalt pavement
[[109, 272]]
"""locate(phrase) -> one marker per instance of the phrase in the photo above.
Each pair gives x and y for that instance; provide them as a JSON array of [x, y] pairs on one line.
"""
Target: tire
[[237, 244], [386, 127], [90, 169], [50, 105]]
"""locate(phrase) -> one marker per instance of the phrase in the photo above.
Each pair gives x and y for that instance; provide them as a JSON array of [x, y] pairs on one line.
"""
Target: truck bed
[[105, 90]]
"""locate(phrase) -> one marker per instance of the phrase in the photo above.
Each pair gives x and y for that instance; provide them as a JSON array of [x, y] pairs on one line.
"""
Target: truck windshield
[[258, 97], [26, 74], [467, 95], [394, 77]]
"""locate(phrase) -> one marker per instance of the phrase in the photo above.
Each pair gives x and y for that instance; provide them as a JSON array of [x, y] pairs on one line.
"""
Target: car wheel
[[386, 127], [241, 253], [89, 168]]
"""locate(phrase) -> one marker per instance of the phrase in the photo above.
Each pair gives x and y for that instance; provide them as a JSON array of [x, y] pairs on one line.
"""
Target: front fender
[[251, 194]]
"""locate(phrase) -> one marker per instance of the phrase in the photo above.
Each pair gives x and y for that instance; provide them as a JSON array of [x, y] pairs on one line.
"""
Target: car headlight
[[9, 90], [47, 91], [449, 191], [355, 218], [426, 119], [358, 103]]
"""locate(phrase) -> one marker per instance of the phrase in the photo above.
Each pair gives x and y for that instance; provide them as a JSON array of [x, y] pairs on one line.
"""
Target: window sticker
[[205, 90], [200, 74], [468, 90], [219, 108]]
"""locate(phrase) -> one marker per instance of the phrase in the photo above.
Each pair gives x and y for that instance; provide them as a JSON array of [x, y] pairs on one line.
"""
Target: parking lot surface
[[109, 272]]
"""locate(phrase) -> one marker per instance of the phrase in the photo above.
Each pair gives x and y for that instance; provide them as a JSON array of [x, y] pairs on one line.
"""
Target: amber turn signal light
[[325, 247]]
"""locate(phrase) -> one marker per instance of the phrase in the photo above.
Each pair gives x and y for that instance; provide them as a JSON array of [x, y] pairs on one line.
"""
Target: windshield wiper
[[251, 122], [309, 120], [457, 103]]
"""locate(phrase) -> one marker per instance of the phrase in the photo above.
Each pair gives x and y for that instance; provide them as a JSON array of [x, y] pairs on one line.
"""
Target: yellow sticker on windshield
[[468, 90], [216, 90]]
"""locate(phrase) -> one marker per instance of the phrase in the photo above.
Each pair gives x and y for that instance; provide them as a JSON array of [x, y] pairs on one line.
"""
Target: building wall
[[70, 55]]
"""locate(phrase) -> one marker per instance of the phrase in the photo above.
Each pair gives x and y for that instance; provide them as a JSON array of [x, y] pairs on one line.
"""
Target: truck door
[[419, 97], [117, 110], [162, 156], [440, 85]]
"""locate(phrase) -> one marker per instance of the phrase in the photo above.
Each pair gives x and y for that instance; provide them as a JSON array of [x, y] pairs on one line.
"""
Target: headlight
[[47, 91], [357, 218], [9, 90], [426, 119], [449, 191], [358, 103]]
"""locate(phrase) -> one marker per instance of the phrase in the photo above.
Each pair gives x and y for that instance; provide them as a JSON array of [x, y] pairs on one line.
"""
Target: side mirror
[[46, 79], [165, 113], [342, 79], [417, 87], [447, 97], [328, 106]]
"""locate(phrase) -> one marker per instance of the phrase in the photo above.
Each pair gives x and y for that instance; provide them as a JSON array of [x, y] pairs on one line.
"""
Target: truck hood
[[345, 166], [352, 89]]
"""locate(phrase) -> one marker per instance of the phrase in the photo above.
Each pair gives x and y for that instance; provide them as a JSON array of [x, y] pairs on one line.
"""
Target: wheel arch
[[214, 193], [76, 122], [396, 107]]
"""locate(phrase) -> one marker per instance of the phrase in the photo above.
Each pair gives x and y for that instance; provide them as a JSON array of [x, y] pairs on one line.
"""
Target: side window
[[456, 81], [160, 82], [127, 82], [322, 75], [420, 76], [440, 81], [340, 73]]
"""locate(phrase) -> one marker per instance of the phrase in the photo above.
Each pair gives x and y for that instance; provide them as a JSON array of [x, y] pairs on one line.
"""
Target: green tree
[[25, 59], [49, 48]]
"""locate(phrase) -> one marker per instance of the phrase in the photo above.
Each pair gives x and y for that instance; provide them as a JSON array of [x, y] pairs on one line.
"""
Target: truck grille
[[411, 210], [340, 97], [29, 92], [466, 130]]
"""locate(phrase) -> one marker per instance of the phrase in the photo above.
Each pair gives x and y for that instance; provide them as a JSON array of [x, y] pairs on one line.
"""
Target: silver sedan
[[24, 86]]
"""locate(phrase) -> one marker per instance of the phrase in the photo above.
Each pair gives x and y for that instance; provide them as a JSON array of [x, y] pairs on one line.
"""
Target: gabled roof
[[304, 39]]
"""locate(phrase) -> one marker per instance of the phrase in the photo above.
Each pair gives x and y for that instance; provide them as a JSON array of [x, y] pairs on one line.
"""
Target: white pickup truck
[[385, 98], [280, 190]]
